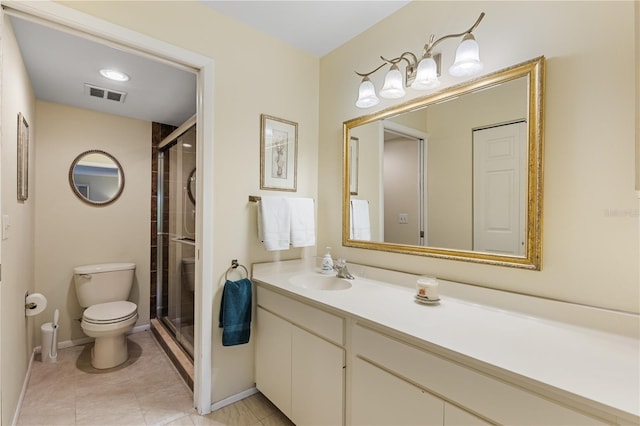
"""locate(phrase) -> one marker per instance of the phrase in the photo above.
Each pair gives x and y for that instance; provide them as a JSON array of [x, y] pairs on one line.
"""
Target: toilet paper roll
[[38, 300]]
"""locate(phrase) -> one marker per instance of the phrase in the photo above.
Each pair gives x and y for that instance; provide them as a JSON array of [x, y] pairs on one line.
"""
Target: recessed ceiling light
[[114, 75]]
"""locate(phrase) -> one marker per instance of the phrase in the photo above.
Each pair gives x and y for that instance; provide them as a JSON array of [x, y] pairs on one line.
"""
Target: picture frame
[[23, 158], [354, 146], [278, 153]]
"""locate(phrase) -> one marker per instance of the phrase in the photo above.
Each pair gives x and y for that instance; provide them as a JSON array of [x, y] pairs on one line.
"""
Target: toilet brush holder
[[49, 342]]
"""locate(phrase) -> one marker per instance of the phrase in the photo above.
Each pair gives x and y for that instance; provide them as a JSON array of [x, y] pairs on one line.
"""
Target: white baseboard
[[233, 398], [25, 383]]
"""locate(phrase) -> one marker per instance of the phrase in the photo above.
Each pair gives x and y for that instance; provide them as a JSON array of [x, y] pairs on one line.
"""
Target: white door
[[317, 380], [500, 189], [273, 359]]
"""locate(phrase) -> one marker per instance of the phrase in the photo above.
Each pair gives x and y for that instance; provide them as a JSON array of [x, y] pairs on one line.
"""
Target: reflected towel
[[360, 225], [303, 222], [235, 312], [274, 223]]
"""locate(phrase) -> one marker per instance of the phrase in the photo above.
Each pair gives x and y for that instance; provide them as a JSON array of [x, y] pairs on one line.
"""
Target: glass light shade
[[467, 58], [393, 87], [426, 75], [367, 94]]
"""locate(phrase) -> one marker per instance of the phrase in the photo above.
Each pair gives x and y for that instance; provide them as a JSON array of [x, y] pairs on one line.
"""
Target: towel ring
[[234, 266]]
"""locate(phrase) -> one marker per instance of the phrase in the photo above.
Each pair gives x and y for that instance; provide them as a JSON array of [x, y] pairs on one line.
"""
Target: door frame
[[141, 44], [423, 145]]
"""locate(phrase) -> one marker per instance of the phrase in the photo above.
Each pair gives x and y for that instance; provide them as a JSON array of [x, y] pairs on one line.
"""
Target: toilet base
[[109, 351]]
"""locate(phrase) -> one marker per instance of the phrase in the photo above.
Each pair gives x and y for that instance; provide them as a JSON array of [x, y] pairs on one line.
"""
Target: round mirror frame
[[78, 194]]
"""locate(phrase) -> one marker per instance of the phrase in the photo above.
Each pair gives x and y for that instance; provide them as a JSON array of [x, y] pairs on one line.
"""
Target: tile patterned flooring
[[145, 390]]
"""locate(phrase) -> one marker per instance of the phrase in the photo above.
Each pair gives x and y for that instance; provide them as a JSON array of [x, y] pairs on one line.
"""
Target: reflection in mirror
[[96, 177], [191, 186], [456, 174]]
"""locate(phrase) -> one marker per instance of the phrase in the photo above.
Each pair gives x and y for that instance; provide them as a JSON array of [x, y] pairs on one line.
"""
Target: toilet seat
[[110, 313]]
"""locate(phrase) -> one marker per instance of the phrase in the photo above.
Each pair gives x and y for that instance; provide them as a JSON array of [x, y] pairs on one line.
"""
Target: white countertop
[[600, 368]]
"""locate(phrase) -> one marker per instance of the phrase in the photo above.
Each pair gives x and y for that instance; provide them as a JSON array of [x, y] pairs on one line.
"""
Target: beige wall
[[590, 231], [70, 232], [450, 157], [254, 74], [17, 251]]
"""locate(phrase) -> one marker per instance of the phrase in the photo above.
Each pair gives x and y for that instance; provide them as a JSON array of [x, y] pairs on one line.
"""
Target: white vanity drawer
[[479, 393], [315, 320]]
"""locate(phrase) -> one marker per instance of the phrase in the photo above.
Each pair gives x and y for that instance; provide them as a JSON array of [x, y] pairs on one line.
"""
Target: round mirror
[[191, 186], [96, 178]]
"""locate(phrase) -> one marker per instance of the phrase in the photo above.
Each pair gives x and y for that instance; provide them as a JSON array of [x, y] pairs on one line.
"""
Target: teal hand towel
[[235, 312]]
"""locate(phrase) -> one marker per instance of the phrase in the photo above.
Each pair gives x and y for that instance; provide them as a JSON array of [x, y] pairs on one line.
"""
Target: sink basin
[[320, 282]]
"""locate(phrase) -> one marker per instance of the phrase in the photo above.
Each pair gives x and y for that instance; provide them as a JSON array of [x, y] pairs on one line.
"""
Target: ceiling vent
[[102, 93]]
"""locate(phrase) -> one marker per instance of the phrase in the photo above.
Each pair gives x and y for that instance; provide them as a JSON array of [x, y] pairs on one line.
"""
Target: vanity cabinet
[[382, 398], [379, 398], [300, 361], [413, 371]]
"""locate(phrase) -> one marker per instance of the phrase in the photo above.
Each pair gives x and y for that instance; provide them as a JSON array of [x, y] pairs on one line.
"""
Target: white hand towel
[[303, 223], [274, 223], [360, 225]]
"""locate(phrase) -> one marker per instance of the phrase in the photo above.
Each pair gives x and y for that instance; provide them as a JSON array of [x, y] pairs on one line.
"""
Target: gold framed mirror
[[455, 175]]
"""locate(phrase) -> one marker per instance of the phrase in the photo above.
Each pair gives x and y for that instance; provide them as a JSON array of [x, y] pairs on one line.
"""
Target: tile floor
[[145, 390]]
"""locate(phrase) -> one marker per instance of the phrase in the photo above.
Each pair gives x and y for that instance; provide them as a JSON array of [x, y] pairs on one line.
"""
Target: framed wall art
[[278, 153], [23, 158]]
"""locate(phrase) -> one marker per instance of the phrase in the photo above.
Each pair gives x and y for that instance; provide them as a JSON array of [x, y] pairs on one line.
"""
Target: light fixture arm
[[410, 63], [431, 44]]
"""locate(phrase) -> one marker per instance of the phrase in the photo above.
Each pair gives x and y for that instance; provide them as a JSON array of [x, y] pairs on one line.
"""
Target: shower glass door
[[176, 237]]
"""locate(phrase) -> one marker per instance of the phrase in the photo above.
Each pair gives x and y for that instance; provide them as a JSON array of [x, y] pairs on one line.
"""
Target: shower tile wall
[[158, 133]]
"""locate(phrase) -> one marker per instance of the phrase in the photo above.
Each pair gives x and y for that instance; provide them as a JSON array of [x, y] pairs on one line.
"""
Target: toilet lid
[[110, 312]]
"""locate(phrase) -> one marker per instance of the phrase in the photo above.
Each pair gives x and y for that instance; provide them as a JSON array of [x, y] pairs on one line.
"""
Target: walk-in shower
[[177, 236]]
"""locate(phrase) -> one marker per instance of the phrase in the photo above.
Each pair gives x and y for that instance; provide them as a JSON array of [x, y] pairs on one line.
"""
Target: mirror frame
[[534, 70], [74, 188]]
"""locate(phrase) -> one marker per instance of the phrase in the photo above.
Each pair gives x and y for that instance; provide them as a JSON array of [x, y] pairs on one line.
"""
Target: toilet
[[188, 273], [103, 289]]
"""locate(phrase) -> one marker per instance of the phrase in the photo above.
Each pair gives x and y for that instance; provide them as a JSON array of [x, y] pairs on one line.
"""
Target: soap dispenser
[[327, 263]]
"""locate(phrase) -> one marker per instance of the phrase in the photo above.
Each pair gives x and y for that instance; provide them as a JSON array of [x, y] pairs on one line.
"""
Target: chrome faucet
[[341, 269]]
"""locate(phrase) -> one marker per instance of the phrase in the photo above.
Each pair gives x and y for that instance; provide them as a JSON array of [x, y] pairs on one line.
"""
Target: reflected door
[[499, 189]]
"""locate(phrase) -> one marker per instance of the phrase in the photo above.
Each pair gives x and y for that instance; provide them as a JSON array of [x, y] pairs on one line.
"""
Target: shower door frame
[[164, 235], [106, 32]]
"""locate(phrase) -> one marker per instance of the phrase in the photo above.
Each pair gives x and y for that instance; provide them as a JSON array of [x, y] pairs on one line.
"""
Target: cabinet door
[[273, 359], [454, 416], [380, 398], [317, 389]]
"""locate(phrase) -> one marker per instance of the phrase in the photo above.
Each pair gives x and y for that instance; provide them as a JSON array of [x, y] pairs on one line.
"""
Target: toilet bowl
[[188, 273], [103, 290]]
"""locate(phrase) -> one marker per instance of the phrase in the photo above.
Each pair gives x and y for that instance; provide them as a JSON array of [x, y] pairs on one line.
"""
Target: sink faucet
[[341, 269]]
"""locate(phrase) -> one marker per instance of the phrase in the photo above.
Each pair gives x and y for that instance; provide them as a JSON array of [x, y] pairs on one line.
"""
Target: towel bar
[[254, 198], [234, 266]]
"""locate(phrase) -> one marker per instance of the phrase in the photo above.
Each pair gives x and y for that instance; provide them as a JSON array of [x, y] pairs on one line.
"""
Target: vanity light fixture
[[114, 75], [423, 74]]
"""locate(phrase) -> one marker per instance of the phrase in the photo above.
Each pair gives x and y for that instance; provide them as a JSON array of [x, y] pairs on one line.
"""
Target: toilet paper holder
[[34, 304]]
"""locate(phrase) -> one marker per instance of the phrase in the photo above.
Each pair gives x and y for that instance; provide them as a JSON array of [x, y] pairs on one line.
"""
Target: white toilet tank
[[102, 283]]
